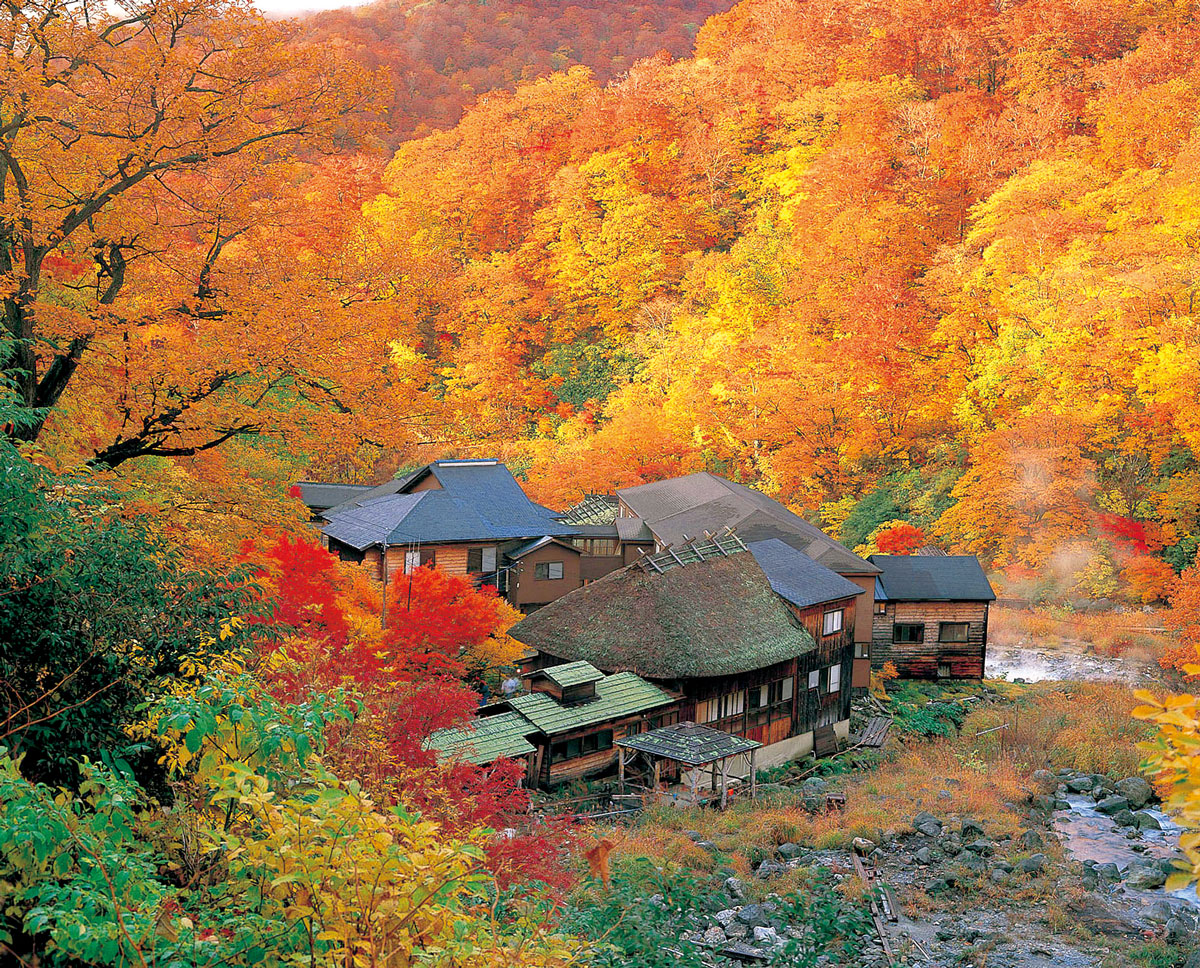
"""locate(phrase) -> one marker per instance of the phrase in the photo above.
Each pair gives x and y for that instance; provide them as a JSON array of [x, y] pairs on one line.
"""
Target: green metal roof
[[487, 739], [689, 743], [572, 674], [616, 696]]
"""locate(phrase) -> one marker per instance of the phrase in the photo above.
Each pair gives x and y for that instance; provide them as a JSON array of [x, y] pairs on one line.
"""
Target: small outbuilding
[[931, 616], [690, 748]]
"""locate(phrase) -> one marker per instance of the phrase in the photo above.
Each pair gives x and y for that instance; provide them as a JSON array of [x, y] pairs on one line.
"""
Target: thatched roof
[[708, 618]]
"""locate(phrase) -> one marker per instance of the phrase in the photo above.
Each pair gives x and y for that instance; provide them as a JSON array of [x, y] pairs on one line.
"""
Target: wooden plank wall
[[920, 660]]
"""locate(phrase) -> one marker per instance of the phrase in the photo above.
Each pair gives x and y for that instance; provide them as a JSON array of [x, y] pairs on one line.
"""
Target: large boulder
[[1136, 790], [1080, 784], [1111, 805], [1146, 877]]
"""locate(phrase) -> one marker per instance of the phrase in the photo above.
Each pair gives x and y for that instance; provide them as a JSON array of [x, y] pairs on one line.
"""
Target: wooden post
[[724, 782], [753, 777], [657, 764], [695, 784], [621, 769]]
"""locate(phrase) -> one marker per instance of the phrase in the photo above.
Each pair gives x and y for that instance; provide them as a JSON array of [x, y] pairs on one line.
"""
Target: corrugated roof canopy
[[685, 507], [928, 578], [709, 618], [689, 743]]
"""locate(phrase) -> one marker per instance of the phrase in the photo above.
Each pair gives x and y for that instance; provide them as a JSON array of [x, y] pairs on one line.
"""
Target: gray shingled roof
[[320, 496], [928, 578], [477, 501], [685, 507], [714, 617], [798, 579], [633, 530]]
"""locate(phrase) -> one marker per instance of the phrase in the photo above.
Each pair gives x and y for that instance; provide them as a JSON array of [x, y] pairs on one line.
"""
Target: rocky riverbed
[[1074, 888], [1042, 665]]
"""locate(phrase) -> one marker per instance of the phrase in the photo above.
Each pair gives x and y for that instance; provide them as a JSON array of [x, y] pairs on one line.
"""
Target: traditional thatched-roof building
[[705, 623]]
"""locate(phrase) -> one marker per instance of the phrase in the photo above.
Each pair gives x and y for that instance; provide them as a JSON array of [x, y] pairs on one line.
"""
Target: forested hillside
[[436, 58], [929, 262]]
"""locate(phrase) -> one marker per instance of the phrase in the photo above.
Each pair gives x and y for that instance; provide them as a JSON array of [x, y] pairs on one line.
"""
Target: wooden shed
[[931, 616]]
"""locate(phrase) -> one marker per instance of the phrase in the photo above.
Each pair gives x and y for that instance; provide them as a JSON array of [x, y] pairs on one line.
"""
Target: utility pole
[[383, 571]]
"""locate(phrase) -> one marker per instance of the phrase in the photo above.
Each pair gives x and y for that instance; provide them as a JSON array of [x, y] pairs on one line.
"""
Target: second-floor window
[[481, 560], [548, 570], [720, 707], [412, 561], [908, 632], [832, 622]]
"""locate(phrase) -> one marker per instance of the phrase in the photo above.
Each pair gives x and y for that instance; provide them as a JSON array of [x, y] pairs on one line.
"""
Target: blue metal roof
[[931, 578], [477, 501], [796, 578]]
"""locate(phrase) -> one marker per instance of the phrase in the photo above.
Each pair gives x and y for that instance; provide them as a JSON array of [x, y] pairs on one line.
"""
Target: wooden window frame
[[966, 632], [897, 626], [541, 571], [841, 621]]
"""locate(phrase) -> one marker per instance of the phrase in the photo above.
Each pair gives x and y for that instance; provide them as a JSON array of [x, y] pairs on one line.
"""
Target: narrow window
[[861, 650], [881, 608], [833, 622], [814, 679], [786, 691], [953, 632], [835, 678], [412, 561], [474, 560]]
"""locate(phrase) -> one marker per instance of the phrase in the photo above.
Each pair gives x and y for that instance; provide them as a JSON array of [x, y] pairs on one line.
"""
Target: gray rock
[[1108, 872], [724, 918], [769, 868], [1177, 930], [983, 847], [713, 937], [766, 936], [1161, 911], [922, 855], [1147, 821], [1192, 960], [736, 930], [734, 888], [1080, 784], [1136, 790], [971, 828], [1044, 780], [1149, 877], [1124, 818], [999, 877], [1029, 840], [1033, 864], [693, 835], [790, 851], [751, 915], [1110, 805]]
